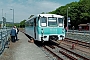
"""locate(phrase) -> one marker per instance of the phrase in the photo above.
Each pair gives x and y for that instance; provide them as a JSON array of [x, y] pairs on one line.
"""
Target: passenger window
[[52, 22], [43, 21], [60, 22]]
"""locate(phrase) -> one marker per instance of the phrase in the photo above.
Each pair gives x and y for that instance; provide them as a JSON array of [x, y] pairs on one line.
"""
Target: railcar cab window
[[60, 22], [43, 21], [52, 21]]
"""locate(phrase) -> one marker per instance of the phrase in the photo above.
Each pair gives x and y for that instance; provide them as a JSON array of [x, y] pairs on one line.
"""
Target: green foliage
[[79, 12], [30, 16], [43, 13], [17, 24], [22, 24], [9, 25]]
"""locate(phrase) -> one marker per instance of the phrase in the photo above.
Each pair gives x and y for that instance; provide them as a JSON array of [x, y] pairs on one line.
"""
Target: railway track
[[62, 53], [78, 42]]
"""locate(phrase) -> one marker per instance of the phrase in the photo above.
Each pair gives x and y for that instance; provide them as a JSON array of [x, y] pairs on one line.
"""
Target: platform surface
[[23, 50]]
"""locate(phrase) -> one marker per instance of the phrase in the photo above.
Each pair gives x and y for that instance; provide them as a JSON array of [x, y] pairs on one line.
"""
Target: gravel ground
[[78, 49], [79, 36]]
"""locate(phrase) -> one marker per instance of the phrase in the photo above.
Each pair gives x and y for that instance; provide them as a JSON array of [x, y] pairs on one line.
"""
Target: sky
[[24, 8]]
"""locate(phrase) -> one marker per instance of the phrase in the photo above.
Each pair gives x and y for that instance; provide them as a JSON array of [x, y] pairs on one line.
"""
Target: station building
[[84, 27]]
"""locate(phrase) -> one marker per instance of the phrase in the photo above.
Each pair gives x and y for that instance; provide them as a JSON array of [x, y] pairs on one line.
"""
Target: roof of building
[[83, 25]]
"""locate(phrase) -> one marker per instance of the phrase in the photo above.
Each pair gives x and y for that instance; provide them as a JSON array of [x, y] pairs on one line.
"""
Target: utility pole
[[13, 16], [67, 18]]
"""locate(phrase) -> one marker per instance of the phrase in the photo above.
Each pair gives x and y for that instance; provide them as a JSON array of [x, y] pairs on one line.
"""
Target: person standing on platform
[[13, 34], [17, 30]]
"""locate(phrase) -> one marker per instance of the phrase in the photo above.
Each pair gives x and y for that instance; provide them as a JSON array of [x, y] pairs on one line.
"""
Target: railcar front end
[[51, 28], [50, 33], [45, 27]]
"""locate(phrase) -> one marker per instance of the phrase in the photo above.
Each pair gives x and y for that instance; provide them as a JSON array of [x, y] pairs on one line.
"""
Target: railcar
[[45, 27]]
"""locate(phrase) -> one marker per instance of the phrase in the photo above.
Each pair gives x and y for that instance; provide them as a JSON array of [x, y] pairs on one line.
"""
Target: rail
[[4, 38]]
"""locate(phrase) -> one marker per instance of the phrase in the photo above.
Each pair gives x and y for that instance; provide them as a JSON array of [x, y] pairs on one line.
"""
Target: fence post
[[0, 44], [6, 42], [2, 41], [84, 33]]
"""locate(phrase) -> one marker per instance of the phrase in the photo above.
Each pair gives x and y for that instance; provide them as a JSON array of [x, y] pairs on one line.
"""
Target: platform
[[23, 50]]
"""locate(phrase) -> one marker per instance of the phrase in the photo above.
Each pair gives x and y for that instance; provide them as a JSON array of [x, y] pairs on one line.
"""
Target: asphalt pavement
[[23, 50]]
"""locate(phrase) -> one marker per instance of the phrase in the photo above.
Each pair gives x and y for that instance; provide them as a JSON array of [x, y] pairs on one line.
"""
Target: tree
[[22, 23], [79, 12], [30, 16]]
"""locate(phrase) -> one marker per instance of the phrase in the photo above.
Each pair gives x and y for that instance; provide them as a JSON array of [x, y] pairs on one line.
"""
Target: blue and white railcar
[[45, 27]]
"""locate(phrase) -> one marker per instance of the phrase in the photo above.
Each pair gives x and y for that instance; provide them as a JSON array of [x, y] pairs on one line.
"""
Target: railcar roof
[[47, 15], [50, 15]]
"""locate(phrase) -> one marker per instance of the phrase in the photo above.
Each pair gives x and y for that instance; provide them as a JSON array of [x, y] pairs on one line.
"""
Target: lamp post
[[67, 18], [13, 16], [2, 19]]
